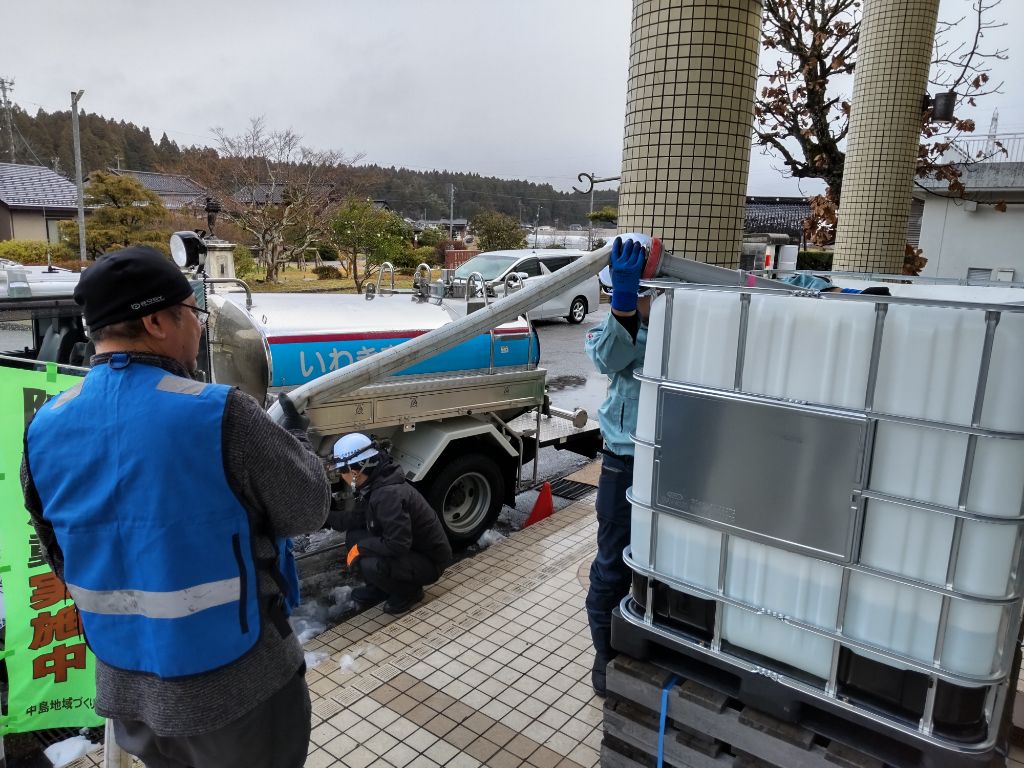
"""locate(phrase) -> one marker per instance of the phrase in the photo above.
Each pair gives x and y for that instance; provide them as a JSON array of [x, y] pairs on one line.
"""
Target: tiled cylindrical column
[[689, 113], [896, 38]]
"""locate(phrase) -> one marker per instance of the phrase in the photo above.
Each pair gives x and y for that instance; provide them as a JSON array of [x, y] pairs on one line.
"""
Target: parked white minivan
[[573, 304]]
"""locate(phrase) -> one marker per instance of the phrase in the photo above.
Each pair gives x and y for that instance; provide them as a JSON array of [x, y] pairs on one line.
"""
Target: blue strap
[[664, 714]]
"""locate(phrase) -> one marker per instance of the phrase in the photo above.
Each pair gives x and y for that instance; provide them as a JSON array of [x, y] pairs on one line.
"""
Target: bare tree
[[802, 113], [276, 189]]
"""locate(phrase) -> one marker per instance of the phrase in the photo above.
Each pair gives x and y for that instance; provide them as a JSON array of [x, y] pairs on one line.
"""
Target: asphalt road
[[572, 383], [572, 379]]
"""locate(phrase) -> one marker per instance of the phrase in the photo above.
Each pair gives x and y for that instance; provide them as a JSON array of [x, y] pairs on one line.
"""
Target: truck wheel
[[577, 311], [467, 492]]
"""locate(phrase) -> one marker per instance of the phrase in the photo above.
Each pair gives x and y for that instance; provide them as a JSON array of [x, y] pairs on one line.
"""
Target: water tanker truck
[[462, 422]]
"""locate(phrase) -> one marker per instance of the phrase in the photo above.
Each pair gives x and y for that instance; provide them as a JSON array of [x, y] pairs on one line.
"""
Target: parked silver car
[[495, 266]]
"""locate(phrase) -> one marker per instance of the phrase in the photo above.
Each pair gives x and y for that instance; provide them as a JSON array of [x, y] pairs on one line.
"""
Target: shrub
[[327, 272], [245, 264], [815, 260], [431, 236], [426, 254], [328, 252], [406, 260], [33, 252]]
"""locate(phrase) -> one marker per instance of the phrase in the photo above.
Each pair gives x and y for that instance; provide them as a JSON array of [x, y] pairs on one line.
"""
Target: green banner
[[52, 674]]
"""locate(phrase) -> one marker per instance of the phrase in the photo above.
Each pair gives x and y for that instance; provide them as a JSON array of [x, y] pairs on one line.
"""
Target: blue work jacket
[[616, 354]]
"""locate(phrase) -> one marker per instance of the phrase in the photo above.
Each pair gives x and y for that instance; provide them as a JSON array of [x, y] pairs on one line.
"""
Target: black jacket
[[397, 517]]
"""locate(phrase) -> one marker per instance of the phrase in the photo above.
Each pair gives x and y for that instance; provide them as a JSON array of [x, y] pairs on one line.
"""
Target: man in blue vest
[[617, 348], [165, 505]]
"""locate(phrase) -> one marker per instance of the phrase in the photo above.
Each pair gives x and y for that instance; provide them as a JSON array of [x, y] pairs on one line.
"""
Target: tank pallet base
[[705, 728], [732, 705]]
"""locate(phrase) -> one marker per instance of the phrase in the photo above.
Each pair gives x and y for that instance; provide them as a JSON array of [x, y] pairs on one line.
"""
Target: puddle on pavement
[[566, 382]]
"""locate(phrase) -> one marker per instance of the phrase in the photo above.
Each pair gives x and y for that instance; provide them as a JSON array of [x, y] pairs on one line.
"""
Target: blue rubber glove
[[627, 264]]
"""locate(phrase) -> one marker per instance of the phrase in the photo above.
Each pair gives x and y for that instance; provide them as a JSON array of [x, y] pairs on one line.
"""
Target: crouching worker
[[164, 504], [395, 540]]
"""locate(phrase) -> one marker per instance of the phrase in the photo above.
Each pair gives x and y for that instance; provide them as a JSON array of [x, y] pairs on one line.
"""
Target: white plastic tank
[[787, 257], [818, 350]]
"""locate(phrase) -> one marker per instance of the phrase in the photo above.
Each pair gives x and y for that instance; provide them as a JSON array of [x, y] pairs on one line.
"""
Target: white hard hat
[[354, 449]]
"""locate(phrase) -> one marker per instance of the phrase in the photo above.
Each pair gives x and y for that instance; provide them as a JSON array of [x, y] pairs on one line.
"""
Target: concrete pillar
[[220, 258], [896, 38], [689, 117]]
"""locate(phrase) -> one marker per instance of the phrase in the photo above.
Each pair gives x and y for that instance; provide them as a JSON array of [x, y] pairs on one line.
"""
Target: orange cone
[[542, 507]]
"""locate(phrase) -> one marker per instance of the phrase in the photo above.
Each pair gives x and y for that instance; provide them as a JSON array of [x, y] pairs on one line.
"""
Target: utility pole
[[536, 228], [451, 213], [75, 96], [8, 119]]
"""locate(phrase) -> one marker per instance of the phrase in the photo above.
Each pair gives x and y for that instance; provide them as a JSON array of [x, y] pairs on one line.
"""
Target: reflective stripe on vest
[[158, 551], [157, 605]]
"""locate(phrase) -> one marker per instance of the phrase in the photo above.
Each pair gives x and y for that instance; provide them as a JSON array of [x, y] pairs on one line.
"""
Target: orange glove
[[352, 555]]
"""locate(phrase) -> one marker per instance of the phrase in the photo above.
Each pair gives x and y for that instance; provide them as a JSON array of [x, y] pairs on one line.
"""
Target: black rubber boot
[[399, 605], [368, 595]]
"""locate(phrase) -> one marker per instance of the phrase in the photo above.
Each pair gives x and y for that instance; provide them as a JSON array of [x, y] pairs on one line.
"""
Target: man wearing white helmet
[[617, 347], [394, 539]]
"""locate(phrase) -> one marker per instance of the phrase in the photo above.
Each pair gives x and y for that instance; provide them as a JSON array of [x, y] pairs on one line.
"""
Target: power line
[[27, 145]]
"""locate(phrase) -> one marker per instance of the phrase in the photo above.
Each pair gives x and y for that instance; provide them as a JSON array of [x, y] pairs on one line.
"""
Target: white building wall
[[955, 239]]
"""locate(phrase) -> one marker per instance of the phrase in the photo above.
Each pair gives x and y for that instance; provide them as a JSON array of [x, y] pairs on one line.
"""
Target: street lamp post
[[591, 180], [75, 96]]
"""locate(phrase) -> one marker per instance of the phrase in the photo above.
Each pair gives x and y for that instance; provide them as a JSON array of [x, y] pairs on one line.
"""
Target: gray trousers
[[273, 735]]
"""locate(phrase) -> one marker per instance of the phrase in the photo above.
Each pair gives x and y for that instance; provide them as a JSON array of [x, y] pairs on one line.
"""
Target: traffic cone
[[542, 507]]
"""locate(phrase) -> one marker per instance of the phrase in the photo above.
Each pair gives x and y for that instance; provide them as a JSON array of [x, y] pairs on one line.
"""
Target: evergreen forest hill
[[45, 139]]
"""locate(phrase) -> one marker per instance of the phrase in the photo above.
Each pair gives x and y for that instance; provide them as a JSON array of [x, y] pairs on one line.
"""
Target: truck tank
[[282, 341]]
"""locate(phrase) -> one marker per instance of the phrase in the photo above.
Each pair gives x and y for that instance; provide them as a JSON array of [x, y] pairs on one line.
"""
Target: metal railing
[[1000, 148]]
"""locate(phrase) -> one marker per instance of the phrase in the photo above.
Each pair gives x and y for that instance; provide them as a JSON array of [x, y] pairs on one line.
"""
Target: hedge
[[31, 252]]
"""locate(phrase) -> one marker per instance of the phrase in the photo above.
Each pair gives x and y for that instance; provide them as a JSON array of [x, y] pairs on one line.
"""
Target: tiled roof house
[[33, 199]]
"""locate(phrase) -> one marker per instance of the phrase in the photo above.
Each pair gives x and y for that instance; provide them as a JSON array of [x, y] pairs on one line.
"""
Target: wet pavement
[[572, 380]]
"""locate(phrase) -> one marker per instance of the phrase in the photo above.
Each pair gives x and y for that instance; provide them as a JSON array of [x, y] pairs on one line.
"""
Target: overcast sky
[[530, 89]]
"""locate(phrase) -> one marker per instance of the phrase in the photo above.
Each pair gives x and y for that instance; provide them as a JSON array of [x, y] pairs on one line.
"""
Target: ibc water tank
[[924, 390]]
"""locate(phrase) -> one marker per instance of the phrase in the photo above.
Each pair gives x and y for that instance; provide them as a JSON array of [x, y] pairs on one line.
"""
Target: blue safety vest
[[157, 548]]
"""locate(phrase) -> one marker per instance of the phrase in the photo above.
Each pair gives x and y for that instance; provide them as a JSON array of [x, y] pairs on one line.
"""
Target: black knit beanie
[[129, 284]]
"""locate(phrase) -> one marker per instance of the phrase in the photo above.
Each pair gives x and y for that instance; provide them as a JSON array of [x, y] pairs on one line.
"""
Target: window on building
[[984, 274]]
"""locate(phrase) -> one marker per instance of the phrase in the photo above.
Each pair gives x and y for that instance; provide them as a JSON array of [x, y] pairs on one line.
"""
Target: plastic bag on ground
[[69, 750], [315, 658], [488, 538]]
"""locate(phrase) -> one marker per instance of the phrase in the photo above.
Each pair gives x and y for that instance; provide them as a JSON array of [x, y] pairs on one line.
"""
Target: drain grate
[[53, 735], [571, 489]]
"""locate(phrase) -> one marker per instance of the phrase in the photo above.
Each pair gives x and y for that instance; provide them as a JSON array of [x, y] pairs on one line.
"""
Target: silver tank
[[284, 340]]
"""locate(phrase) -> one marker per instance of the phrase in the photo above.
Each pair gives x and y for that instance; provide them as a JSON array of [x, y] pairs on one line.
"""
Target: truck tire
[[467, 493], [577, 311]]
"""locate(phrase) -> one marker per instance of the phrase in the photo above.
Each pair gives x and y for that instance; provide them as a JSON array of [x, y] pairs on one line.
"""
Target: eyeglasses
[[200, 313]]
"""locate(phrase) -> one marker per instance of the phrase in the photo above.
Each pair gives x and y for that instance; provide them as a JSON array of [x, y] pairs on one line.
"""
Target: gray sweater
[[282, 485]]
